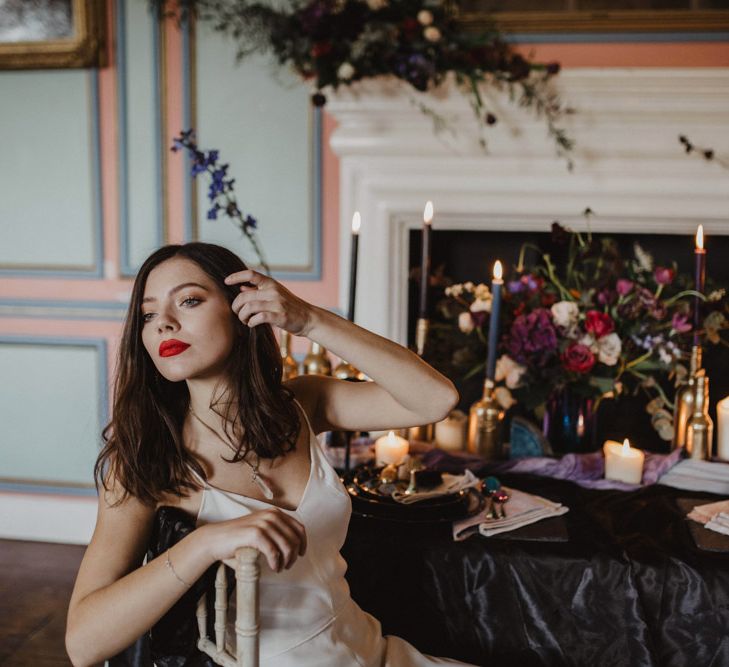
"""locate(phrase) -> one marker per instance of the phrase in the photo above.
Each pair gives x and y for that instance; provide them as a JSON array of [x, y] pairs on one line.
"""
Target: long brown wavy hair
[[143, 445]]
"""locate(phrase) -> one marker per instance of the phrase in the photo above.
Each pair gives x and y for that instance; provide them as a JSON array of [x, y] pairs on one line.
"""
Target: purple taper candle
[[699, 281], [425, 260]]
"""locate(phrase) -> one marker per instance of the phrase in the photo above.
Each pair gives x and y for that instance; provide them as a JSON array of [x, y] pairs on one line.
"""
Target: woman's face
[[188, 328]]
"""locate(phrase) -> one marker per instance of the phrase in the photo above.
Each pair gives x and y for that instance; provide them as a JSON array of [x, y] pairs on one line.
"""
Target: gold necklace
[[255, 477]]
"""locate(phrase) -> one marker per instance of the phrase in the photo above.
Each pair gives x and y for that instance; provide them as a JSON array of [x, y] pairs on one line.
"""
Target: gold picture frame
[[57, 34], [596, 20]]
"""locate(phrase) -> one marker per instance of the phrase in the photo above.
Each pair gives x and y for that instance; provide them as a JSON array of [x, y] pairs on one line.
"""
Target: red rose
[[599, 324], [664, 275], [321, 49], [578, 358]]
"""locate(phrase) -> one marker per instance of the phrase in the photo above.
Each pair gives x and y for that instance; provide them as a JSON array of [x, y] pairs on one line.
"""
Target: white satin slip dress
[[307, 617]]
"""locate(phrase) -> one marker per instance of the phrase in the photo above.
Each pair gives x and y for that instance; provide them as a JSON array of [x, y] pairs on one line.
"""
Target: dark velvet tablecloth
[[628, 588]]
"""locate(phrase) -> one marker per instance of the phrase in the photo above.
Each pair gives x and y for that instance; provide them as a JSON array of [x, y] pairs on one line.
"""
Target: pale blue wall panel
[[47, 170], [49, 408], [263, 126]]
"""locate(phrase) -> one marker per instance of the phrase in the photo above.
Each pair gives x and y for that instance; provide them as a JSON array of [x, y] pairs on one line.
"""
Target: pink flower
[[664, 275], [578, 358], [599, 324], [680, 323], [624, 286]]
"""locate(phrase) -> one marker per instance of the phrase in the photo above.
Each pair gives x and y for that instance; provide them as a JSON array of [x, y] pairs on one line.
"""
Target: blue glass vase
[[570, 422]]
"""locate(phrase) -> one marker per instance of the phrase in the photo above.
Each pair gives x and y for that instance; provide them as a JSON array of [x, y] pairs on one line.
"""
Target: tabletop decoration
[[722, 439], [422, 325], [595, 325], [290, 368], [336, 43], [623, 462], [450, 433], [700, 428], [220, 190]]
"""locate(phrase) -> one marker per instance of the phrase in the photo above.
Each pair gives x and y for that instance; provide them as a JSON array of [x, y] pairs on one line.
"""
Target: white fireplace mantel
[[629, 168]]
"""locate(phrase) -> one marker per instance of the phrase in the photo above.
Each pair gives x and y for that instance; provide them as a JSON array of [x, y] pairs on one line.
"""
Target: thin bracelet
[[168, 563]]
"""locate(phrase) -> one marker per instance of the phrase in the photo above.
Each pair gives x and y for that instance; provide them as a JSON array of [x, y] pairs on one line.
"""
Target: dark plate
[[368, 504]]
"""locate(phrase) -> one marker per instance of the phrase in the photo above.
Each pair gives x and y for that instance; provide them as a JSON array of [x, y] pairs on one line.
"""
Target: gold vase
[[316, 362], [290, 367], [700, 430], [685, 400], [485, 421], [425, 433]]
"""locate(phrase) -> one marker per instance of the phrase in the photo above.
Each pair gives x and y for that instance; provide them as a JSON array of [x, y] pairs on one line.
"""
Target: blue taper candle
[[496, 285]]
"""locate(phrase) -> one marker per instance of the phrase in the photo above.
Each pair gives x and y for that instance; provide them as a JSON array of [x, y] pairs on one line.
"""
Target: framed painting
[[596, 16], [38, 34]]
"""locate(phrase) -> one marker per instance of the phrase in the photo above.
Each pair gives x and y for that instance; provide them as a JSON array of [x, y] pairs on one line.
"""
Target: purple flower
[[624, 286], [680, 323], [515, 286], [663, 275], [532, 337]]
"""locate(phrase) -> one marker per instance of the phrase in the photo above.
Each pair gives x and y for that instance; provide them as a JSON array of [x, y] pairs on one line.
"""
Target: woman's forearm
[[112, 618], [393, 367]]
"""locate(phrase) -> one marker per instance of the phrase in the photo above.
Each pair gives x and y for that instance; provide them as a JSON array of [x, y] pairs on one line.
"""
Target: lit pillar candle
[[356, 222], [425, 260], [700, 280], [450, 434], [391, 448], [623, 462], [496, 285], [722, 438]]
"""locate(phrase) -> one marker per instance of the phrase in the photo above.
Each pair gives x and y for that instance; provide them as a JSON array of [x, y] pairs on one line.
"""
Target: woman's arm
[[405, 390], [115, 601]]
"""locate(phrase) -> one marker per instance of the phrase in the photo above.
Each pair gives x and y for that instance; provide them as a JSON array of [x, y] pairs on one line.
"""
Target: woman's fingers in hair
[[247, 276]]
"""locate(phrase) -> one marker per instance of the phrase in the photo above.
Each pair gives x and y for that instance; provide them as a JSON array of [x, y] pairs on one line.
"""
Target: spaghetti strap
[[306, 417]]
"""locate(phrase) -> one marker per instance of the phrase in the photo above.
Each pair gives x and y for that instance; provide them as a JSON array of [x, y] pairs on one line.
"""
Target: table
[[628, 588]]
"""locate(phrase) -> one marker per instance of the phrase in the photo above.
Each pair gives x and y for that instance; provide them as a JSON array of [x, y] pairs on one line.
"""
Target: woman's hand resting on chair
[[280, 538]]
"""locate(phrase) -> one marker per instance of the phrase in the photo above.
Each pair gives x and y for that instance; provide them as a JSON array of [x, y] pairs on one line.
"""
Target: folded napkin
[[450, 484], [714, 516], [521, 510], [694, 475]]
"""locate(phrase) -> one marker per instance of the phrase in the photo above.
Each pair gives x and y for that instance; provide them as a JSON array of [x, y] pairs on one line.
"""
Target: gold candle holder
[[485, 421], [316, 361], [345, 371], [685, 399], [421, 335], [700, 429], [425, 433], [289, 365]]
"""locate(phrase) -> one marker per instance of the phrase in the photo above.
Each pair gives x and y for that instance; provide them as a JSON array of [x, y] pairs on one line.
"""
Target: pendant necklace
[[255, 477]]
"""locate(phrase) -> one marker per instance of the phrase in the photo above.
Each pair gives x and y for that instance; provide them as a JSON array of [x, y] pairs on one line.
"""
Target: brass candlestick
[[316, 361], [290, 367], [685, 399], [700, 430], [345, 371], [485, 422]]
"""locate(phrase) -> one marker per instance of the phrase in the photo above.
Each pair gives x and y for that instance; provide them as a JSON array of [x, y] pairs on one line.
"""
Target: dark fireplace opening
[[460, 256]]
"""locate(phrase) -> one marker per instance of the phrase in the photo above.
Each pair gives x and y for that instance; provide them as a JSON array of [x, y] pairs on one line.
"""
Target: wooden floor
[[36, 579]]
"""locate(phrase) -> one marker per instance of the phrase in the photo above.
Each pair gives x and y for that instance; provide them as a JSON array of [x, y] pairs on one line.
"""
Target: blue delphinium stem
[[220, 190]]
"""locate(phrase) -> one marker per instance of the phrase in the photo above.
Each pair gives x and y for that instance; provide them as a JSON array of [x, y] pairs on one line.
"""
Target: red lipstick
[[171, 347]]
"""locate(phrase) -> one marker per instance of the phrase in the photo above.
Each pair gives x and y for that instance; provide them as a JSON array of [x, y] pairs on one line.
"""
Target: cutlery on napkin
[[714, 516], [524, 509], [450, 484]]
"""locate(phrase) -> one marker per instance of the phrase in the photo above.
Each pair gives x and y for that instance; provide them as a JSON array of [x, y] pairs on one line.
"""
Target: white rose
[[565, 313], [588, 340], [465, 322], [468, 286], [482, 291], [345, 72], [431, 33], [609, 348], [481, 306], [509, 370], [375, 5], [425, 17], [503, 397]]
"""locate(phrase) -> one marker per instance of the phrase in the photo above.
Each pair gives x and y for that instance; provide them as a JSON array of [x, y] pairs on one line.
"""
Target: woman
[[202, 422]]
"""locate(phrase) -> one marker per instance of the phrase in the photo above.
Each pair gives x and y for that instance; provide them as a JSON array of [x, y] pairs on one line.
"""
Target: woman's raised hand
[[265, 300], [279, 537]]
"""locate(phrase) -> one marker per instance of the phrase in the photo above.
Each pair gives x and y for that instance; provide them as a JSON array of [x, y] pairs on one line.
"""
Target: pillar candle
[[496, 285], [722, 437], [356, 221], [425, 260], [623, 462], [391, 448], [450, 434]]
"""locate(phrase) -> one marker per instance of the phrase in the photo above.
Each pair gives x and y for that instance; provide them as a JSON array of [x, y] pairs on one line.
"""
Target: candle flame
[[391, 438], [700, 238], [356, 222], [428, 213], [626, 446], [498, 270]]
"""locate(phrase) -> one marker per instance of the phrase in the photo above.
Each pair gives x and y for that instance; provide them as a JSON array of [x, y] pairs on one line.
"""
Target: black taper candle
[[425, 261], [353, 265]]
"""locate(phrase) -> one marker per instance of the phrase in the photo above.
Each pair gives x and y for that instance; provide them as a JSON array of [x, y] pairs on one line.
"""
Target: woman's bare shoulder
[[306, 391]]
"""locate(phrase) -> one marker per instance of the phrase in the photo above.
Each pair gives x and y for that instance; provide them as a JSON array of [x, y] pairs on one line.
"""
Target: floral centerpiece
[[601, 326], [335, 43]]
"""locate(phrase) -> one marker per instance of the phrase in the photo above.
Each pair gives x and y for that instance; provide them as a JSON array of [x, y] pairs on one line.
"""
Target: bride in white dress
[[202, 421]]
